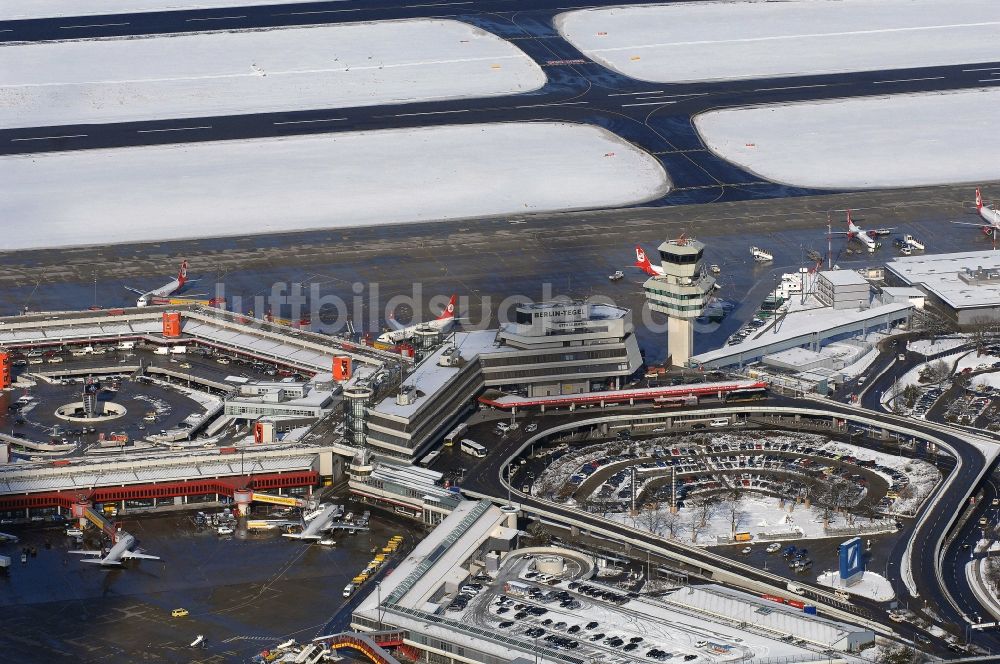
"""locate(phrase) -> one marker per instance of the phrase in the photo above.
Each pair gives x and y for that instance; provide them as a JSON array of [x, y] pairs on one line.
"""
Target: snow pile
[[22, 9], [928, 347], [319, 181], [908, 140], [733, 40], [228, 73], [873, 586]]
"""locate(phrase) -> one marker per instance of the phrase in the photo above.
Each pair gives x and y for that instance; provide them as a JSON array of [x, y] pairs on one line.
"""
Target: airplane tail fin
[[979, 200], [449, 311], [183, 273], [642, 261]]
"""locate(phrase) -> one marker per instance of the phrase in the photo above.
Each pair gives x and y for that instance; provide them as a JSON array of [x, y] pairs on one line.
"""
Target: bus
[[473, 448], [455, 434], [754, 394], [430, 458]]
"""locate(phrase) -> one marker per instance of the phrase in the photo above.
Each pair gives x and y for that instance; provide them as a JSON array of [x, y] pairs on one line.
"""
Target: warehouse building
[[964, 287]]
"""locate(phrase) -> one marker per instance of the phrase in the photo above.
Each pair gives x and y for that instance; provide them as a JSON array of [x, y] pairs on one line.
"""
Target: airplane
[[163, 292], [867, 238], [442, 323], [642, 262], [119, 552], [321, 521], [989, 214]]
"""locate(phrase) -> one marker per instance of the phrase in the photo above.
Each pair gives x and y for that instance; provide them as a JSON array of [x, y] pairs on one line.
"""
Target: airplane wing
[[135, 290], [394, 324], [83, 552], [969, 223], [101, 561], [141, 556], [840, 233], [344, 526]]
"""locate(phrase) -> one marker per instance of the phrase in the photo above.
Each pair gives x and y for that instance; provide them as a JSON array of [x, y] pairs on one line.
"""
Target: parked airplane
[[163, 292], [642, 262], [323, 521], [867, 238], [989, 214], [119, 552], [442, 323]]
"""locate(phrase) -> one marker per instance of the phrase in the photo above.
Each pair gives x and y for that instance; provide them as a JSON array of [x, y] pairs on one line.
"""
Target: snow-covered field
[[318, 181], [872, 142], [226, 73], [20, 9], [928, 347], [873, 586], [729, 40]]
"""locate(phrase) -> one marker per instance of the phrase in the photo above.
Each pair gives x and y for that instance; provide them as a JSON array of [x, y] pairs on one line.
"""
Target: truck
[[795, 588], [4, 565], [178, 349], [126, 345], [161, 350]]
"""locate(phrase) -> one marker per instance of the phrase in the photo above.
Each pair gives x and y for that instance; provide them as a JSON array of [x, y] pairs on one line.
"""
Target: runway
[[654, 117]]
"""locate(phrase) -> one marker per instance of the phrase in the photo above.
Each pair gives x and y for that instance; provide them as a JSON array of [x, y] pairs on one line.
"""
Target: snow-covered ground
[[873, 586], [922, 476], [20, 9], [318, 181], [256, 71], [928, 347], [729, 40], [870, 142], [762, 516]]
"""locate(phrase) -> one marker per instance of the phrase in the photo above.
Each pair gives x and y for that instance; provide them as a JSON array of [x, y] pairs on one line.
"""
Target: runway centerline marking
[[325, 11], [153, 131], [627, 94], [407, 115], [91, 25], [989, 80], [562, 103], [691, 94], [48, 138], [982, 69], [792, 87], [288, 122], [909, 80], [213, 18], [650, 103]]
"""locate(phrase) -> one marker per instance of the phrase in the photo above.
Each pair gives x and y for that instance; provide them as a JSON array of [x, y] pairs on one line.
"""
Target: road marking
[[153, 131], [325, 11], [626, 94], [690, 94], [792, 87], [908, 80], [91, 25], [982, 69], [7, 30], [563, 103], [650, 103], [213, 18], [288, 122], [438, 4], [989, 80], [407, 115], [48, 138]]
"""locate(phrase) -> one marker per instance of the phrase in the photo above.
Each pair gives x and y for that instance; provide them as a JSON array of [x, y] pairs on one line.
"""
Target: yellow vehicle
[[380, 558], [179, 613], [396, 538], [387, 549], [360, 578]]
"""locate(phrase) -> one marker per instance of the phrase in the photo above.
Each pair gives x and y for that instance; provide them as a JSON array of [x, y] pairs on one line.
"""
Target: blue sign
[[851, 560]]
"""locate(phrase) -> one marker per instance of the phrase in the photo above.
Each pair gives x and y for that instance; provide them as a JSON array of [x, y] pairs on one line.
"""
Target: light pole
[[378, 607]]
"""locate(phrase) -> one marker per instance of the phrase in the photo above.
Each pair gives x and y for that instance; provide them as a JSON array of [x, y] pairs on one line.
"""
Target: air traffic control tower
[[681, 292]]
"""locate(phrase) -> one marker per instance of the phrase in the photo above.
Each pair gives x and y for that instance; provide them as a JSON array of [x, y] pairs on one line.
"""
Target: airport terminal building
[[551, 348]]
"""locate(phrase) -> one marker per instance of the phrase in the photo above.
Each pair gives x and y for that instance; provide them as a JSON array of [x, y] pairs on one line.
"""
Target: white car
[[531, 427], [773, 546]]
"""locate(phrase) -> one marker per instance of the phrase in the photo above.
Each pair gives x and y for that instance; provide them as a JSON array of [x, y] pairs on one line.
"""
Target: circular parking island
[[75, 412]]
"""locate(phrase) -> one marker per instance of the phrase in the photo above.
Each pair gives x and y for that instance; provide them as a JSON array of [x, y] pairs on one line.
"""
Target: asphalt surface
[[485, 477], [244, 593], [582, 93]]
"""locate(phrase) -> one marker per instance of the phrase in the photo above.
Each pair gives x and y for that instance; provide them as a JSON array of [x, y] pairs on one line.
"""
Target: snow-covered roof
[[429, 377], [939, 274], [844, 278], [766, 614]]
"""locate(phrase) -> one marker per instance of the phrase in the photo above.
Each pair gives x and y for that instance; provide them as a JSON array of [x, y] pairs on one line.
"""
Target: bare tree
[[732, 506], [898, 655], [706, 508], [651, 518], [672, 524], [983, 332], [694, 524]]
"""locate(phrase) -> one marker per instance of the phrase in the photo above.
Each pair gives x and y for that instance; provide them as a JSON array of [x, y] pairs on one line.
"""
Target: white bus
[[455, 434], [430, 458], [473, 448]]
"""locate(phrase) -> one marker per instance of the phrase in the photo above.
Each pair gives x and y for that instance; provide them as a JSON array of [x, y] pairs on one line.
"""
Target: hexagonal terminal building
[[681, 292]]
